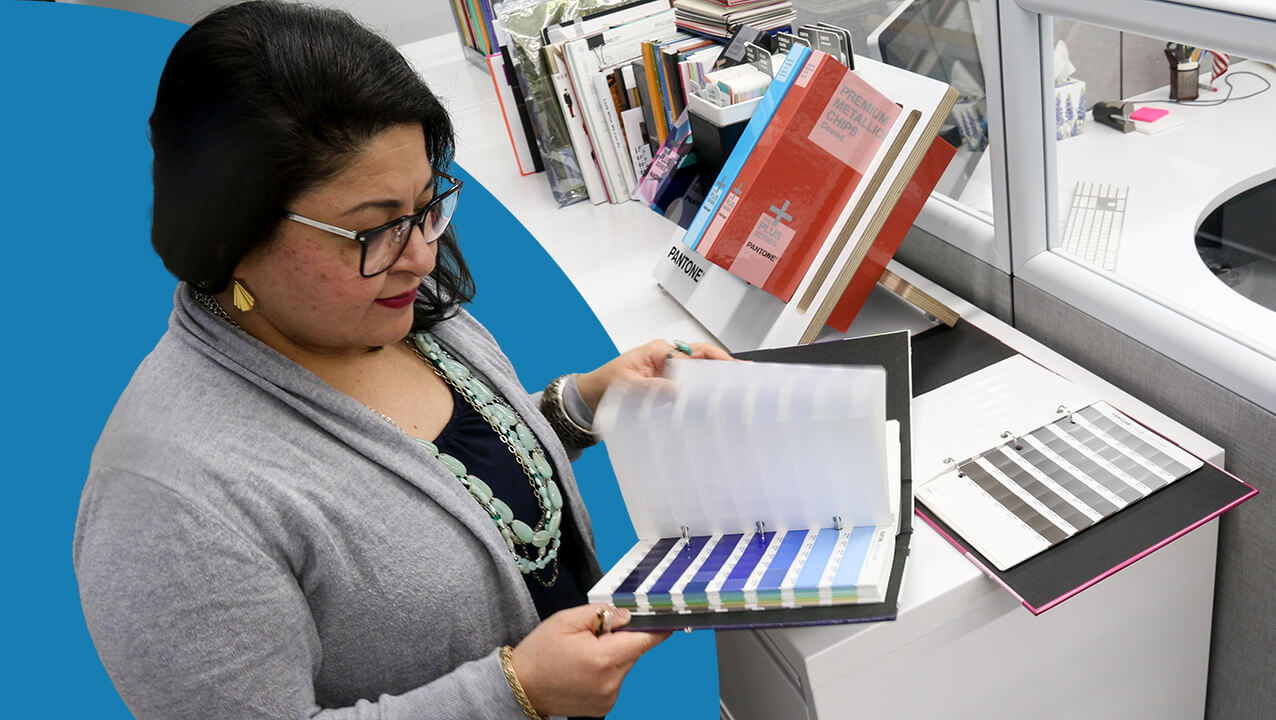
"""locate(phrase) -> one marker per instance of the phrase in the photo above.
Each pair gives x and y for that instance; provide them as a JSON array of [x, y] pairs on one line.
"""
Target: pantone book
[[787, 198], [789, 70], [738, 481]]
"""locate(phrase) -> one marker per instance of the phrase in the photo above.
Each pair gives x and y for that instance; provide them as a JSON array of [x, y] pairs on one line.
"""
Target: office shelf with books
[[474, 26]]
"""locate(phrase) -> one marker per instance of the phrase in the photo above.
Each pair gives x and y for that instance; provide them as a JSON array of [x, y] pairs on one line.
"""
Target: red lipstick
[[395, 302]]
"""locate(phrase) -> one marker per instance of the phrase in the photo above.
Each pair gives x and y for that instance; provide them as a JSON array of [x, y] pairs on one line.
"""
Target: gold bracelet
[[517, 686]]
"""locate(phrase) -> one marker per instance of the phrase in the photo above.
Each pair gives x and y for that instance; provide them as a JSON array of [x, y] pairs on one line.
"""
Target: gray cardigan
[[252, 543]]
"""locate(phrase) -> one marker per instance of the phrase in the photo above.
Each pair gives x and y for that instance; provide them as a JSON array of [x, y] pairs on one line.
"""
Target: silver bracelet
[[572, 433]]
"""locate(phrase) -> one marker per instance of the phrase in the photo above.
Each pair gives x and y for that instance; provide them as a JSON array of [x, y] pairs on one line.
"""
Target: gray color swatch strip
[[1022, 510], [1134, 442], [1043, 494], [1102, 449], [1066, 479], [1082, 462]]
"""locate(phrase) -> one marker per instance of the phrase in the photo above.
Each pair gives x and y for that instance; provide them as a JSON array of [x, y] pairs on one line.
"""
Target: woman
[[324, 493]]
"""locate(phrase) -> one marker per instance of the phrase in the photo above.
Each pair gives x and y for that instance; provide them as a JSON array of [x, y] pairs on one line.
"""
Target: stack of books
[[719, 18], [474, 25], [603, 95]]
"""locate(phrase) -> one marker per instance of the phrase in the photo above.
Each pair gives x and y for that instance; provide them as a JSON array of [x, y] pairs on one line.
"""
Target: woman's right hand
[[567, 670]]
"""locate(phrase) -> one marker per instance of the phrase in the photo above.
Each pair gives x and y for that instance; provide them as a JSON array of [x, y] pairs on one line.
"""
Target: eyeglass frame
[[416, 219]]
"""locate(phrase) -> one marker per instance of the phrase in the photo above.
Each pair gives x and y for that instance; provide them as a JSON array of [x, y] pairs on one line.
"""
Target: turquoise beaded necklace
[[533, 548], [540, 543]]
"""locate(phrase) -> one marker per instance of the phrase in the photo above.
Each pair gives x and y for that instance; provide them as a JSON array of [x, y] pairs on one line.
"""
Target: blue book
[[775, 92], [657, 56]]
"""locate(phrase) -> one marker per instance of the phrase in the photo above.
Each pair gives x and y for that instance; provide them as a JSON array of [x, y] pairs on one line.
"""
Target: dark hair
[[260, 102]]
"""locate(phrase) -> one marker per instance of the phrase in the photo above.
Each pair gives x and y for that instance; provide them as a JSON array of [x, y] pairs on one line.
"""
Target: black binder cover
[[890, 351], [943, 354]]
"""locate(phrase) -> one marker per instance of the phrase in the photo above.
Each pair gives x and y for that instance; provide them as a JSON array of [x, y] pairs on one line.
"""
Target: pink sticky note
[[1147, 114]]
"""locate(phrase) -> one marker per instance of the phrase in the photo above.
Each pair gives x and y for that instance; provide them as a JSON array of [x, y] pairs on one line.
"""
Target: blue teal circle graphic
[[84, 299]]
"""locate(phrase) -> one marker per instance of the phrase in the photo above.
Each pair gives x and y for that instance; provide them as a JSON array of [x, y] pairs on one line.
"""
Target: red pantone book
[[801, 175]]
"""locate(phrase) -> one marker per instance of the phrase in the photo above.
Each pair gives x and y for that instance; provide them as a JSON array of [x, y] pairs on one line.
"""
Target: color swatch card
[[753, 486], [753, 571], [1037, 487]]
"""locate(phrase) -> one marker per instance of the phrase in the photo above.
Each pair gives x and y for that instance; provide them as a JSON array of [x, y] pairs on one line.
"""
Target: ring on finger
[[603, 622], [681, 347]]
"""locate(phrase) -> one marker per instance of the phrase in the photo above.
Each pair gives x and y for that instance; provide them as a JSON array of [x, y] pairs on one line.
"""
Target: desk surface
[[609, 253], [1176, 179]]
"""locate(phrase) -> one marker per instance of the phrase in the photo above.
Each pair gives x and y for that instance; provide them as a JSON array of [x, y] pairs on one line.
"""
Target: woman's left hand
[[644, 361]]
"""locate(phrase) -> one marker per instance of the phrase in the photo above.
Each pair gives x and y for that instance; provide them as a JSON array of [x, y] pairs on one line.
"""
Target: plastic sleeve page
[[854, 457], [682, 437], [694, 438], [661, 484], [621, 418], [730, 472], [720, 446], [698, 444], [797, 444], [836, 419], [893, 475], [763, 421]]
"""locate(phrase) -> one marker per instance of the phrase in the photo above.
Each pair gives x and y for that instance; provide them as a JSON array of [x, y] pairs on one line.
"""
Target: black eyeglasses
[[383, 245]]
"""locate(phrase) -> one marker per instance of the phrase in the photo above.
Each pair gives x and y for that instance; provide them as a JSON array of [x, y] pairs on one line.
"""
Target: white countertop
[[1176, 178]]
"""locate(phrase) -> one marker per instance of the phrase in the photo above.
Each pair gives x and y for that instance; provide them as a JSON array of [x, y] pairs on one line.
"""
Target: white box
[[1070, 108]]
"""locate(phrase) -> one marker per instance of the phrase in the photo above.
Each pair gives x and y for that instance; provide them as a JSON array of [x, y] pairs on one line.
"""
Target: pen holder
[[1183, 80]]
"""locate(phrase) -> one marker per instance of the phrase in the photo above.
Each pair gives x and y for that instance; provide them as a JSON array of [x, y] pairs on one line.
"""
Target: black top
[[469, 438]]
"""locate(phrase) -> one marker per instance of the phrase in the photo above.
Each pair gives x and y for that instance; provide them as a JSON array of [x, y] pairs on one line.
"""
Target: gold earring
[[243, 299]]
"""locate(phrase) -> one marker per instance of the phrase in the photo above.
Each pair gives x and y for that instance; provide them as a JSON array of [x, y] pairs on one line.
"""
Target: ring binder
[[943, 356], [1061, 474], [738, 570]]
